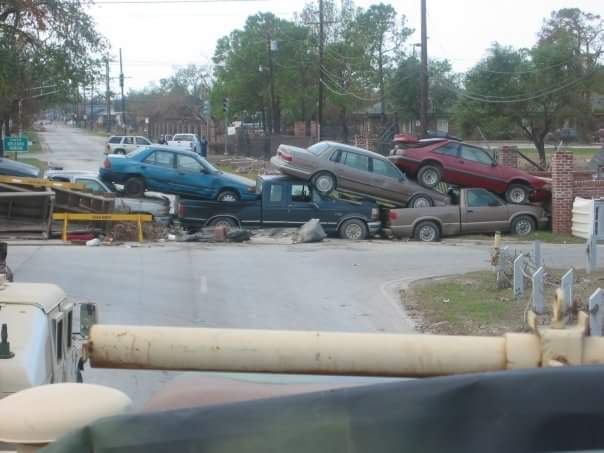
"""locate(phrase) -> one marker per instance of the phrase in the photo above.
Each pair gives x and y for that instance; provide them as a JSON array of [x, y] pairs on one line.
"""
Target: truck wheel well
[[435, 221], [352, 218], [223, 216]]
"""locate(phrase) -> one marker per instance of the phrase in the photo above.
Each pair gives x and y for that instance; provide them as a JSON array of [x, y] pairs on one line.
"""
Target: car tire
[[429, 176], [228, 196], [517, 194], [421, 201], [135, 186], [427, 231], [523, 225], [353, 229], [324, 182], [120, 151], [223, 221]]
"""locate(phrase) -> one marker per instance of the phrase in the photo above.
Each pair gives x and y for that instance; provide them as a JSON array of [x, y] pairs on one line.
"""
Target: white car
[[187, 141], [124, 144]]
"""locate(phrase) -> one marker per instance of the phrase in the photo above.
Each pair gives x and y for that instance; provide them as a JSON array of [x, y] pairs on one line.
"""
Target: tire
[[523, 225], [420, 201], [120, 151], [135, 186], [223, 221], [429, 176], [353, 229], [228, 196], [324, 182], [427, 231], [517, 194]]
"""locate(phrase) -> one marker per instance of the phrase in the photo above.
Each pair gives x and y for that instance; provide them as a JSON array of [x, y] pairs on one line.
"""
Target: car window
[[91, 184], [475, 154], [318, 148], [481, 199], [450, 149], [276, 194], [300, 193], [162, 158], [128, 140], [385, 168], [355, 160], [115, 140], [142, 141], [187, 163], [59, 178], [182, 138]]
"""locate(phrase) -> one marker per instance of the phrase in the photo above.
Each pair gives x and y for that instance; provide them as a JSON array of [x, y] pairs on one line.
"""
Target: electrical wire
[[334, 91]]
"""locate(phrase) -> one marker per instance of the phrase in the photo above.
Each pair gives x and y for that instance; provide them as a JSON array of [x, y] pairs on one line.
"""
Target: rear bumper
[[374, 227], [283, 167]]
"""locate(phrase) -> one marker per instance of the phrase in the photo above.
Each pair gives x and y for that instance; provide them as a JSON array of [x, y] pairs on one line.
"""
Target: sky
[[157, 38]]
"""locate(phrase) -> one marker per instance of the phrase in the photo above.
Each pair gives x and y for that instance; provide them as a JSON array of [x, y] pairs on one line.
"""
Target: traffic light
[[225, 104], [206, 108]]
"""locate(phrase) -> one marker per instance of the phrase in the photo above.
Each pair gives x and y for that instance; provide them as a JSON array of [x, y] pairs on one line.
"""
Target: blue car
[[174, 171]]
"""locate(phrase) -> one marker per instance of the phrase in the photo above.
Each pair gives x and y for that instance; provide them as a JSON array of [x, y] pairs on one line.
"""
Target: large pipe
[[303, 352]]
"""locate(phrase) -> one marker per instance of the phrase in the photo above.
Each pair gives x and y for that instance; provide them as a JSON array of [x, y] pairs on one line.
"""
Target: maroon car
[[436, 160]]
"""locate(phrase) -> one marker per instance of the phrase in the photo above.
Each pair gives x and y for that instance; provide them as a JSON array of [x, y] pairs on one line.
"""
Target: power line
[[348, 93]]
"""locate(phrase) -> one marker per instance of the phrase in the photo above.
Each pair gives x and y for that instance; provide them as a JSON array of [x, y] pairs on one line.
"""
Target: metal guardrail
[[66, 217]]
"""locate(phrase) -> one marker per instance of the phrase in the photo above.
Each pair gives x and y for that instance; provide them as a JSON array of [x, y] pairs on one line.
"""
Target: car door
[[159, 171], [389, 181], [452, 163], [193, 177], [477, 167], [483, 212], [300, 205], [352, 172], [274, 205], [129, 144]]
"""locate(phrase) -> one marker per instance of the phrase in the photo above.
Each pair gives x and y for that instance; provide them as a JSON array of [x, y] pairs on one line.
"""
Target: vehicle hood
[[238, 180], [14, 168]]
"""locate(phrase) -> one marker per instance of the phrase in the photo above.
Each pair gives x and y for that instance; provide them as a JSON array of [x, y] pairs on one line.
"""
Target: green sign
[[16, 144]]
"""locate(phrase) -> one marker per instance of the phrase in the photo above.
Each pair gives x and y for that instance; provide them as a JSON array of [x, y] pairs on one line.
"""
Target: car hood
[[240, 180], [13, 168]]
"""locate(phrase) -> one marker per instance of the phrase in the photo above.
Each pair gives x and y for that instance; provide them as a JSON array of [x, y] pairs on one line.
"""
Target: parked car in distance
[[187, 141], [333, 166], [10, 167], [124, 144], [473, 210], [157, 205], [468, 166], [286, 202], [174, 171]]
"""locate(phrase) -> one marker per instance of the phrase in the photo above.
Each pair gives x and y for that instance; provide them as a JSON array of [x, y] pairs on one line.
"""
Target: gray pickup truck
[[472, 211]]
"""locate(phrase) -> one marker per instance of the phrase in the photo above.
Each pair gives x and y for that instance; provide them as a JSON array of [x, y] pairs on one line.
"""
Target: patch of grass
[[251, 174], [547, 237], [43, 166], [471, 304]]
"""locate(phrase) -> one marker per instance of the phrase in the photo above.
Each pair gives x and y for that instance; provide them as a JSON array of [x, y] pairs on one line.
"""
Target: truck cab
[[37, 343]]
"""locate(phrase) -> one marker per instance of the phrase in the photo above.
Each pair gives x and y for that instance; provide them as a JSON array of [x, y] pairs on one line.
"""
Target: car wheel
[[228, 196], [429, 176], [427, 232], [324, 182], [354, 230], [517, 194], [135, 186], [523, 225], [223, 221], [421, 201], [120, 151]]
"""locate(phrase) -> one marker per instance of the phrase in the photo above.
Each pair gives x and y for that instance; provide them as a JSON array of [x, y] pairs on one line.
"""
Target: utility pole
[[122, 88], [108, 95], [91, 104], [321, 40], [271, 126], [423, 78]]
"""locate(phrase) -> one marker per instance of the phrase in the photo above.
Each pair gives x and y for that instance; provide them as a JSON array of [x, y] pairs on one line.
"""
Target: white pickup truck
[[187, 141]]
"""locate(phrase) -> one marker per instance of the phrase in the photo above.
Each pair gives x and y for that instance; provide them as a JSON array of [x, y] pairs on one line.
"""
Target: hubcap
[[427, 234], [523, 227], [517, 195], [228, 197], [430, 177], [354, 231], [223, 223], [324, 183], [421, 203]]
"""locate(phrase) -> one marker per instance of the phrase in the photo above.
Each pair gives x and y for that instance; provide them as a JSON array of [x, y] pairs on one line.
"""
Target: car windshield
[[182, 138], [318, 148], [137, 151]]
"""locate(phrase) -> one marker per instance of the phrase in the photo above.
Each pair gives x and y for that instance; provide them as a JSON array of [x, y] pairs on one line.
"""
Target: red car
[[435, 160]]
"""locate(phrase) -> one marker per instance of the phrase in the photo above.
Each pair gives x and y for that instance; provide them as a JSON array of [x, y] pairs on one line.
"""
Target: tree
[[192, 80]]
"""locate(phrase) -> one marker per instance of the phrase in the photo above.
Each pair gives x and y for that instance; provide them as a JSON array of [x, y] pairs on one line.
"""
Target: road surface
[[71, 148], [338, 286]]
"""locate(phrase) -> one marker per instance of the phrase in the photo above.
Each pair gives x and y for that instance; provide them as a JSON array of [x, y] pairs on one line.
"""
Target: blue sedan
[[174, 171]]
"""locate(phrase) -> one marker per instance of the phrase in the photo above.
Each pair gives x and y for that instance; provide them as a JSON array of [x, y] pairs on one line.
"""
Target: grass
[[471, 304], [42, 165], [251, 173], [542, 235]]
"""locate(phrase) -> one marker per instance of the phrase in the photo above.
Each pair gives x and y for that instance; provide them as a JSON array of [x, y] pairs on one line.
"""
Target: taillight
[[107, 163], [392, 215], [181, 210], [284, 156], [375, 214]]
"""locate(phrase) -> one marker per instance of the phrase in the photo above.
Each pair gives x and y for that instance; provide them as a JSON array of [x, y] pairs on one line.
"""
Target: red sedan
[[433, 161]]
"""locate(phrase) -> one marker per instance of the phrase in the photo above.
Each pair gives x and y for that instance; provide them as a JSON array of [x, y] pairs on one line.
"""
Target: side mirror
[[88, 318]]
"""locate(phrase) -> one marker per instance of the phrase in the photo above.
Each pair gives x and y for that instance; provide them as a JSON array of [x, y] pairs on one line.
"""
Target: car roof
[[173, 149], [355, 148], [44, 295]]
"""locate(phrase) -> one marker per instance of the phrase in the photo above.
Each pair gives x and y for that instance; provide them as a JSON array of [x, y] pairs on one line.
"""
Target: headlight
[[251, 189]]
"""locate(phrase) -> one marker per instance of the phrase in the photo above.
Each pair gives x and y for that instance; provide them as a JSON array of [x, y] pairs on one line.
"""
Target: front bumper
[[540, 195]]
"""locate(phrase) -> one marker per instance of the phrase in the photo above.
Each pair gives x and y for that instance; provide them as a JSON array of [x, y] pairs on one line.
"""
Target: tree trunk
[[382, 90], [539, 142], [278, 115]]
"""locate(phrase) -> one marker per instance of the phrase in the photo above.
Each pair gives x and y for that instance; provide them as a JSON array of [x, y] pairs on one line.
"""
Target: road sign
[[16, 144]]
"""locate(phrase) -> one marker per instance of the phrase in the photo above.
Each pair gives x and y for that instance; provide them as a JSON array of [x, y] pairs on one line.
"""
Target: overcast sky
[[157, 38]]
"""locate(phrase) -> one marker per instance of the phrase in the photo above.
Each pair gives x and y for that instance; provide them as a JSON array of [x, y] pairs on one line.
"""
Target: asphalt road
[[71, 148]]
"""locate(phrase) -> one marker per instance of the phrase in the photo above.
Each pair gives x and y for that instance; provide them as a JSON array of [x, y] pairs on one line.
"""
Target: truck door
[[482, 212], [301, 207], [274, 204]]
